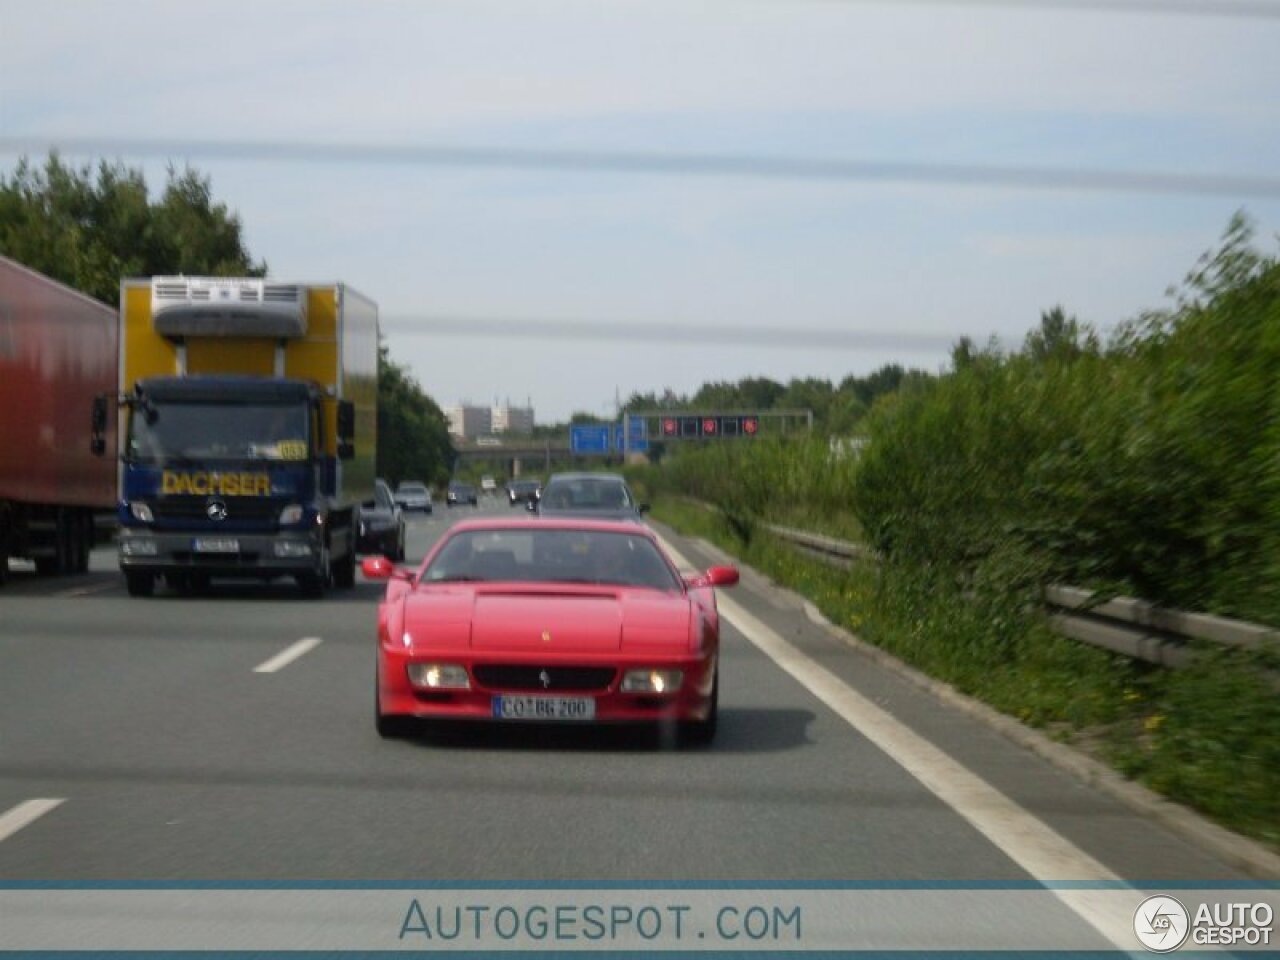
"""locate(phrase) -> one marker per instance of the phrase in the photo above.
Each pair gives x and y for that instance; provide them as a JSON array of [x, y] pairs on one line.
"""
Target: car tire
[[139, 584], [702, 732], [390, 726]]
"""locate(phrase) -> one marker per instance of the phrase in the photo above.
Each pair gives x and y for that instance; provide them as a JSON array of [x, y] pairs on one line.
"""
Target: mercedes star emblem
[[216, 510]]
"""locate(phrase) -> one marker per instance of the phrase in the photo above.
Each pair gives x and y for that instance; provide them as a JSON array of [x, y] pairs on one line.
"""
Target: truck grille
[[511, 676], [242, 512]]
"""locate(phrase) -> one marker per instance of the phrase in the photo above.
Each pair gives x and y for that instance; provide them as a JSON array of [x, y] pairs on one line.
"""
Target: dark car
[[412, 495], [461, 493], [523, 491], [604, 496], [381, 528]]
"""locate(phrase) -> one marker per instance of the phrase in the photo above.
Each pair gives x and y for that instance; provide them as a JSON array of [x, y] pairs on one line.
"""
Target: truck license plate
[[544, 708], [216, 545]]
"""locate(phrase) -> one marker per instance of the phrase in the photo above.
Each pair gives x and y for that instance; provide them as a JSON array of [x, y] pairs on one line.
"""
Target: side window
[[383, 497]]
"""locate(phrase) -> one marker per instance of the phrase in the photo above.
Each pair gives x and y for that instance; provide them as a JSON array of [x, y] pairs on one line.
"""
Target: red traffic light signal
[[670, 427], [751, 426], [709, 426]]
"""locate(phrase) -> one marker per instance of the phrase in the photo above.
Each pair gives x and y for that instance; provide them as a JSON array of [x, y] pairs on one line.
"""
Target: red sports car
[[548, 620]]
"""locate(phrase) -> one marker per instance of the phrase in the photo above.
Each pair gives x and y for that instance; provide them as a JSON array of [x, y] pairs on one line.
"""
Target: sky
[[349, 137]]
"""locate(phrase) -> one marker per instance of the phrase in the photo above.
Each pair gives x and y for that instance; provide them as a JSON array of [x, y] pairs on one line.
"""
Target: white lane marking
[[1030, 842], [288, 655], [13, 820]]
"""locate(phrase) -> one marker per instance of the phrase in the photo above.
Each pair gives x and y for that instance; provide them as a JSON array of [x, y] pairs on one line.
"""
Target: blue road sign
[[639, 438], [589, 438]]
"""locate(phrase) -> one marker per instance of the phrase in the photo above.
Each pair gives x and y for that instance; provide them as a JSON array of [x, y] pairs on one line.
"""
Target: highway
[[229, 736]]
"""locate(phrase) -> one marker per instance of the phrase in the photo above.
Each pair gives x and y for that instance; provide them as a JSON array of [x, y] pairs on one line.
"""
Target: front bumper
[[156, 551], [397, 696]]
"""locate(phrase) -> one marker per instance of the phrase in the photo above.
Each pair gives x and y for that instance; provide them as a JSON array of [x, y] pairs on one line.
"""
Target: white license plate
[[544, 708], [216, 545]]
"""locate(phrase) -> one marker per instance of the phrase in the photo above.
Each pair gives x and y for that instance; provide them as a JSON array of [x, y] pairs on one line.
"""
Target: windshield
[[415, 488], [535, 555], [205, 431]]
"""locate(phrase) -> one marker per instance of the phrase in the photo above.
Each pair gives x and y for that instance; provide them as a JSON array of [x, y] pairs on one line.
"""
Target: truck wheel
[[344, 572], [84, 543], [139, 584]]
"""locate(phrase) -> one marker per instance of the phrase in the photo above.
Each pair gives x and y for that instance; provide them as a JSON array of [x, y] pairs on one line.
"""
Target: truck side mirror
[[346, 419], [346, 429], [98, 427]]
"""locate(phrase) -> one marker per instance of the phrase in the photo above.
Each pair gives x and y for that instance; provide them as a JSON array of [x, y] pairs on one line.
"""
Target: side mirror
[[346, 419], [643, 508], [98, 426], [380, 568], [715, 577], [346, 429], [370, 504]]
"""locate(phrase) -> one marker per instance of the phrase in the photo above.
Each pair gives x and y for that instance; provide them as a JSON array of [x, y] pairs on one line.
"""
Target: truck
[[247, 409], [57, 353]]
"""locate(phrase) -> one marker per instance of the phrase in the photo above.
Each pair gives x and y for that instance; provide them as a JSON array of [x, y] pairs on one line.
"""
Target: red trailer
[[58, 350]]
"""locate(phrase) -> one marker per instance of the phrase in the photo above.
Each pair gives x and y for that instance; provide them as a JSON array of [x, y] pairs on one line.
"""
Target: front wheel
[[704, 731], [389, 726]]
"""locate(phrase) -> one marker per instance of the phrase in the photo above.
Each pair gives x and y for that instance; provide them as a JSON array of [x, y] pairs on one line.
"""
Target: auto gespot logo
[[235, 484]]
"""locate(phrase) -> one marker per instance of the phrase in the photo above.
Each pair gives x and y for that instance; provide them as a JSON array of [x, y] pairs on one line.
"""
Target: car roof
[[576, 477]]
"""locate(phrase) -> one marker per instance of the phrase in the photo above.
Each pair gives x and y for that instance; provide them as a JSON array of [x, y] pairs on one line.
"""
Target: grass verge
[[1207, 737]]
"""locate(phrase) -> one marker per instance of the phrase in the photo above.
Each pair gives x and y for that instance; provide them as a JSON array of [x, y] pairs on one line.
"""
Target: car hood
[[564, 619]]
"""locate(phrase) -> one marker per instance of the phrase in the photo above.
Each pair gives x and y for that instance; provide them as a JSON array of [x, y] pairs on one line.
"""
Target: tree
[[89, 229], [413, 435], [1059, 337]]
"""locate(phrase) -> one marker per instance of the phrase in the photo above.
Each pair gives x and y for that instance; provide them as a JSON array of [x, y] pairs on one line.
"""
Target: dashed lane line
[[27, 812], [288, 655]]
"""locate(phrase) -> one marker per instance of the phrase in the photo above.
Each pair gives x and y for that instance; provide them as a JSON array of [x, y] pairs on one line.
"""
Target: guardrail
[[1134, 628]]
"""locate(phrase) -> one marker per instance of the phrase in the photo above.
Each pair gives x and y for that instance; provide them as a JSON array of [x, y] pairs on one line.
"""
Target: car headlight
[[652, 681], [141, 511], [291, 514], [439, 676]]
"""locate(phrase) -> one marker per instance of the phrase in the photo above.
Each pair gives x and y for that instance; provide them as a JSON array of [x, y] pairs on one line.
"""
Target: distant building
[[509, 419], [469, 422]]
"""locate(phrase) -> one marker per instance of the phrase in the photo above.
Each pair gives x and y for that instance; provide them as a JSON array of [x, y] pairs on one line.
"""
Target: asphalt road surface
[[229, 736]]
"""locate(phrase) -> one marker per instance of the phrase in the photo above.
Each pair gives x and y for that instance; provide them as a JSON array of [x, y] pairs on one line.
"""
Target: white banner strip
[[606, 920]]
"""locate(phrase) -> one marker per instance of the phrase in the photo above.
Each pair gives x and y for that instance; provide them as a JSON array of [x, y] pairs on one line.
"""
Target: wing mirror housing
[[98, 426], [346, 429], [715, 577], [380, 568]]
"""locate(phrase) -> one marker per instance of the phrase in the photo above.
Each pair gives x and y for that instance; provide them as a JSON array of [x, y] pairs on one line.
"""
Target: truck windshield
[[204, 431]]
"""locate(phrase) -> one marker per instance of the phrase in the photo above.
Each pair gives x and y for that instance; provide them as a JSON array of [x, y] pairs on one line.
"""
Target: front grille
[[242, 512], [511, 676]]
